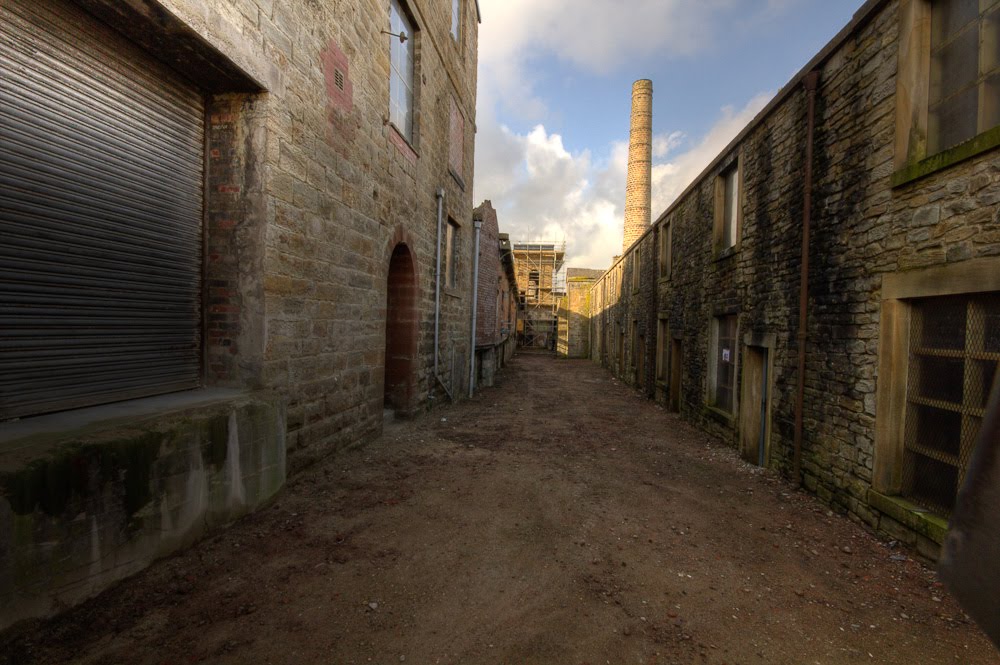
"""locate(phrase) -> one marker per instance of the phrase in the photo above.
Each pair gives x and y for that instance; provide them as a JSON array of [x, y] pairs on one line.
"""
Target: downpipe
[[811, 83], [475, 307], [437, 293]]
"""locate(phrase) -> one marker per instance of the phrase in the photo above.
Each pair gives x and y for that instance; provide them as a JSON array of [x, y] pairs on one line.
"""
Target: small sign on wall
[[725, 355]]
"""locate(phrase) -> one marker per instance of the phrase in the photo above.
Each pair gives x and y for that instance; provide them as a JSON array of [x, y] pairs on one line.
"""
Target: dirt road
[[557, 518]]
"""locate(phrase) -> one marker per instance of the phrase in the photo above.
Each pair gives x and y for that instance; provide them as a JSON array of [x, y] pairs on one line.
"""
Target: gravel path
[[556, 518]]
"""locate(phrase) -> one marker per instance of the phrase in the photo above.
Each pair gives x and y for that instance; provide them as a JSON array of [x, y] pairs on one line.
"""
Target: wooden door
[[754, 396]]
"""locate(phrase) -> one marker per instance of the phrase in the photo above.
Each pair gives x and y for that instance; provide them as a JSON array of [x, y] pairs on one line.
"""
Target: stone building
[[575, 312], [496, 318], [222, 228], [541, 283], [826, 295]]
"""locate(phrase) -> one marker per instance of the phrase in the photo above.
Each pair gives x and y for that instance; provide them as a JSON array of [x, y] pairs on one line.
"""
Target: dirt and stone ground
[[556, 518]]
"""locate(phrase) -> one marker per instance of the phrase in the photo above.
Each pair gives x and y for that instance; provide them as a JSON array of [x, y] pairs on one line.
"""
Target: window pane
[[948, 17], [725, 362], [401, 72], [990, 59], [953, 121], [732, 190], [941, 379], [991, 103], [955, 65], [943, 323]]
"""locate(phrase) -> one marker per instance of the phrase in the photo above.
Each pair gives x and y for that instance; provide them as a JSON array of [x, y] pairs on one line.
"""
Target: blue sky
[[555, 81]]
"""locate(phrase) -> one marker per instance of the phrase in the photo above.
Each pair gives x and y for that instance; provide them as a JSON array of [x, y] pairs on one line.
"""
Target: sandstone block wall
[[336, 188]]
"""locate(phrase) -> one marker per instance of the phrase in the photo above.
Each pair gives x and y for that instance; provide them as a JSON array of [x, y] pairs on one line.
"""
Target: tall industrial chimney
[[640, 158]]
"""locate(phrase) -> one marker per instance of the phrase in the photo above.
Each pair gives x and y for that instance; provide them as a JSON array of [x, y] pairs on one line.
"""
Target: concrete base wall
[[112, 495]]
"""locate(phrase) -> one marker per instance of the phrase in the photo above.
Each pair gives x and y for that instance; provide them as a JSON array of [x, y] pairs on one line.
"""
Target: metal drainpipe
[[811, 82], [475, 306], [437, 280]]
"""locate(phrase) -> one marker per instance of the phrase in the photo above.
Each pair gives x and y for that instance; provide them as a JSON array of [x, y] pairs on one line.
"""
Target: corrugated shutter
[[101, 159]]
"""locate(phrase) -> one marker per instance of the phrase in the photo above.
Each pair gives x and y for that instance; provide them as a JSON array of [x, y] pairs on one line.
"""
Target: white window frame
[[402, 57], [456, 20]]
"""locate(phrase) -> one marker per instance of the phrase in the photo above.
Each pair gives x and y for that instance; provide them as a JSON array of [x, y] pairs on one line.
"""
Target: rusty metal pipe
[[811, 83]]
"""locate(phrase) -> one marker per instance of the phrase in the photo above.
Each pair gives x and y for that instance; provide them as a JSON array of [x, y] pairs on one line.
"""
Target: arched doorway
[[400, 331]]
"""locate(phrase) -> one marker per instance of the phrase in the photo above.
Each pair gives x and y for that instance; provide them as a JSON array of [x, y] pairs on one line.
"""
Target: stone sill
[[663, 280], [986, 141], [910, 515], [719, 415], [403, 143], [723, 254], [452, 292]]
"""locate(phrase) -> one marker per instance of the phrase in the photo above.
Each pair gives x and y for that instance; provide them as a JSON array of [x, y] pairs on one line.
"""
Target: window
[[948, 84], [964, 94], [665, 248], [635, 344], [954, 353], [661, 350], [456, 20], [450, 252], [727, 208], [456, 142], [401, 59], [722, 363], [635, 269]]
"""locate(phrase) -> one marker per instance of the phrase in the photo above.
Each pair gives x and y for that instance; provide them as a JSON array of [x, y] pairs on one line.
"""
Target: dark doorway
[[400, 331]]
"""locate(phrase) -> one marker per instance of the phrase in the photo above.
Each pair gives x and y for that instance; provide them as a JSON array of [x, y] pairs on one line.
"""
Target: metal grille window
[[965, 71], [954, 355]]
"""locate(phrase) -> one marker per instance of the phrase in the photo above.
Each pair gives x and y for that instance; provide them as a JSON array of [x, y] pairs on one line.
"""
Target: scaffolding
[[540, 266]]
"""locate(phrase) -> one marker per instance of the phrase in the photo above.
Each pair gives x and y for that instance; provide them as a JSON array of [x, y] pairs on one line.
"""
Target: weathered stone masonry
[[310, 191], [876, 248]]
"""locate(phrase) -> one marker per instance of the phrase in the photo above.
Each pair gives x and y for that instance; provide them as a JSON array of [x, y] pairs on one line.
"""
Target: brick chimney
[[640, 158]]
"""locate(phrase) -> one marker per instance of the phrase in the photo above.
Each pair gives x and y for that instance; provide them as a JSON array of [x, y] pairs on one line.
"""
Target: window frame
[[723, 196], [912, 157], [662, 348], [636, 274], [665, 257], [714, 358], [405, 126], [899, 290]]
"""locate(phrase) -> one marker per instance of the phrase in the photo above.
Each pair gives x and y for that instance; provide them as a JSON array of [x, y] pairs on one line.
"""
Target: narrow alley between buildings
[[556, 518]]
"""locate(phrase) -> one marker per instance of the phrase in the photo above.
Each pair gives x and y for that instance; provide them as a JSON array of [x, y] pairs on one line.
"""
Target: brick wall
[[864, 231]]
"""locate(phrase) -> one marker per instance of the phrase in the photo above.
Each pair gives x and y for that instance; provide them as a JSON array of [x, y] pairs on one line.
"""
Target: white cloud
[[595, 36], [543, 191]]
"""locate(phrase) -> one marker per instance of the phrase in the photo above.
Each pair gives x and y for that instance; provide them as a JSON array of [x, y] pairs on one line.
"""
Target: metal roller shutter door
[[101, 159]]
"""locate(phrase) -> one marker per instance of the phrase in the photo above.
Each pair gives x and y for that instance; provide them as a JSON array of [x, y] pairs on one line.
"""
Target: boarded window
[[954, 354]]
